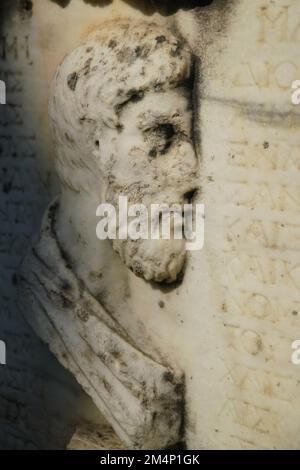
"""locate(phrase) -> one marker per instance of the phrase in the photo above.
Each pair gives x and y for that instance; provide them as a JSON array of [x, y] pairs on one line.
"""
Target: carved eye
[[162, 137]]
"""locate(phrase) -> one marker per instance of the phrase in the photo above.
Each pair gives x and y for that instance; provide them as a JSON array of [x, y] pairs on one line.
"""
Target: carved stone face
[[122, 118], [151, 159]]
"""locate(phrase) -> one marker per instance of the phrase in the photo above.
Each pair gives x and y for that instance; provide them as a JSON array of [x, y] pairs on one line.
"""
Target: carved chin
[[153, 260]]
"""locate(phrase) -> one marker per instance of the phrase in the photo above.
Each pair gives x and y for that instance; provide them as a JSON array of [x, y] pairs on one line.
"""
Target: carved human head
[[121, 110]]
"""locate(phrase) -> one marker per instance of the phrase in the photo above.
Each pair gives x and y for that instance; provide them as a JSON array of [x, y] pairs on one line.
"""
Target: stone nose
[[189, 156]]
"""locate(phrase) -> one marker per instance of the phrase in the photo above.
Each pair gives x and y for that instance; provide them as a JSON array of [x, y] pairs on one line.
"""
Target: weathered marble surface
[[37, 396], [111, 100], [231, 323], [248, 274]]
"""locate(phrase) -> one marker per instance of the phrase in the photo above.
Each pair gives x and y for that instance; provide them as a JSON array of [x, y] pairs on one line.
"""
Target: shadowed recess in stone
[[165, 7], [6, 9]]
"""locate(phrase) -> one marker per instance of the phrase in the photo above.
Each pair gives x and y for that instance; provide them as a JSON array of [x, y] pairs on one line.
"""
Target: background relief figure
[[121, 110]]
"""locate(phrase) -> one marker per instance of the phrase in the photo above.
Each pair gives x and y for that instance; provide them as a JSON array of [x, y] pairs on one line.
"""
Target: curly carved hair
[[118, 63]]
